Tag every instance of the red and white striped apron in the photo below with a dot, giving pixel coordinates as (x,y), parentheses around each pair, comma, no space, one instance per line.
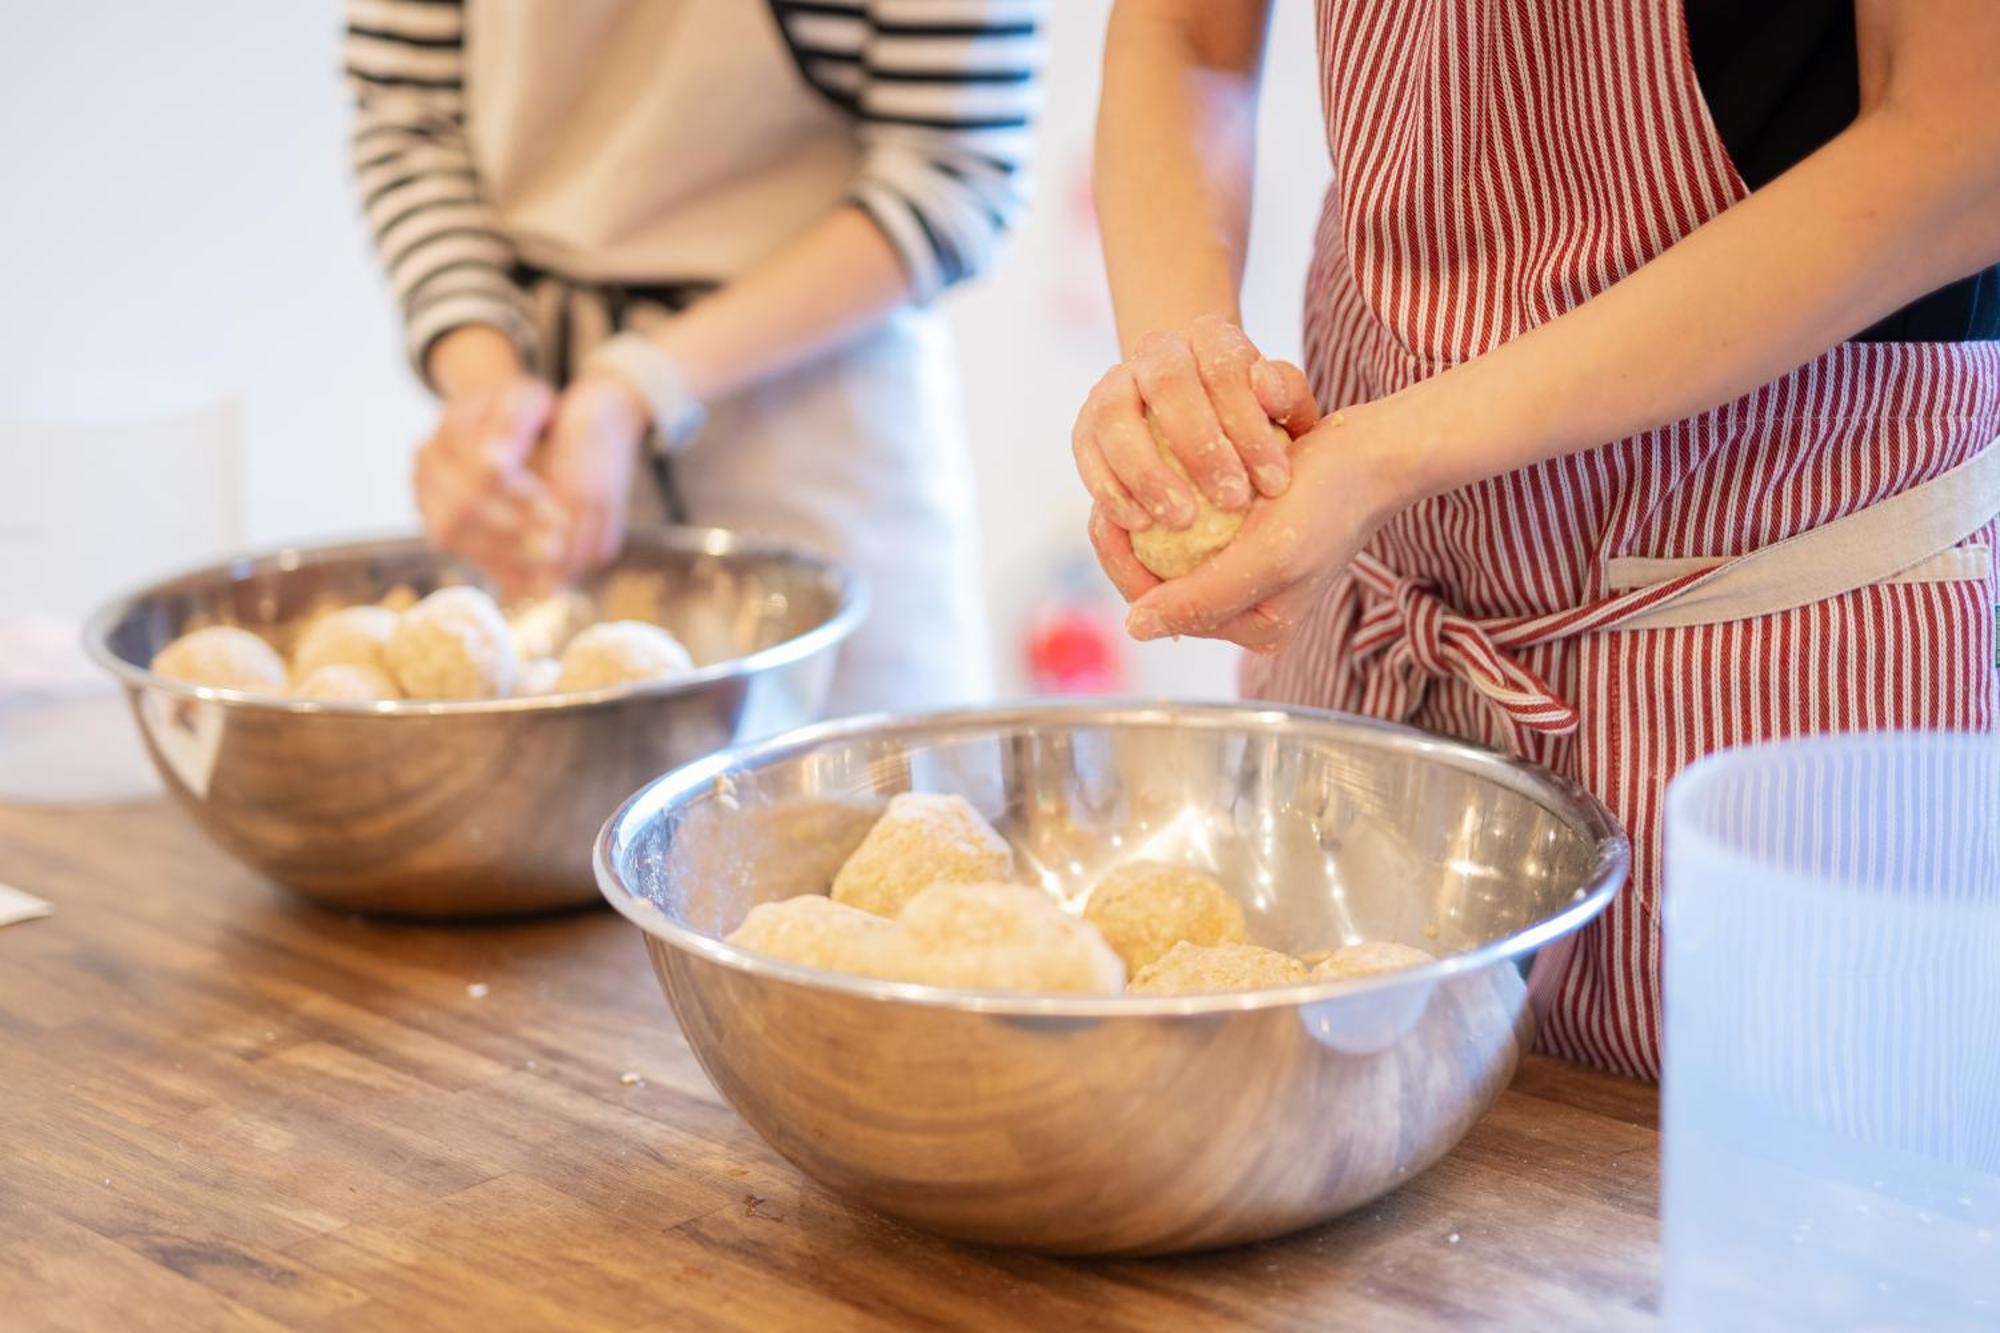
(1497,162)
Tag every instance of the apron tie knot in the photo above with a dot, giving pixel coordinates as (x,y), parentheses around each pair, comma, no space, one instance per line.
(1421,638)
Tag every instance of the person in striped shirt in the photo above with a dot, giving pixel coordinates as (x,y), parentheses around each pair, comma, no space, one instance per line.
(674,259)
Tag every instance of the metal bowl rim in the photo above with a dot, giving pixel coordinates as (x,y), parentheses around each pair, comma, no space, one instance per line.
(848,614)
(1552,791)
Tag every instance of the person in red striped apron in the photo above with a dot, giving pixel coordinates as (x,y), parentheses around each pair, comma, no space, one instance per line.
(1540,238)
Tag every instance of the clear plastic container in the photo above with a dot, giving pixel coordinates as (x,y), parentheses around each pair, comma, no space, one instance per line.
(1832,1090)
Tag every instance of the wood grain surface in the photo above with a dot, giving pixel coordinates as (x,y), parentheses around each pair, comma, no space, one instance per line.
(221,1108)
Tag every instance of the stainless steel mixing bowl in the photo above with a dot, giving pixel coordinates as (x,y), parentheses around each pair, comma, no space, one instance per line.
(1125,1125)
(469,807)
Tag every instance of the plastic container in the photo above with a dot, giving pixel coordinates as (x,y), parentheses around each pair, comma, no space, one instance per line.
(1832,1090)
(106,478)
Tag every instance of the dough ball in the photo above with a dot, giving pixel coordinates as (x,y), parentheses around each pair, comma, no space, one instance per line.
(352,636)
(225,658)
(1146,908)
(398,599)
(812,930)
(996,937)
(921,840)
(1170,554)
(1203,969)
(346,683)
(538,676)
(1366,959)
(454,644)
(621,652)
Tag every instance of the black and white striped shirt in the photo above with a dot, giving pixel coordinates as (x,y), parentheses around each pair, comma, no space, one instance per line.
(937,97)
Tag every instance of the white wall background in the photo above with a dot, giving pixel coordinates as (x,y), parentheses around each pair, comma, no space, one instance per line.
(177,200)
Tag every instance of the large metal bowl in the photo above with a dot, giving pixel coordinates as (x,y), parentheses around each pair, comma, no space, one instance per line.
(1118,1124)
(467,807)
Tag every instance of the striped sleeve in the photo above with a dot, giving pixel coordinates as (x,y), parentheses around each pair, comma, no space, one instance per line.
(438,237)
(944,93)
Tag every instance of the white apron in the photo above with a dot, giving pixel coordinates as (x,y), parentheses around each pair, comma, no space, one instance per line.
(636,154)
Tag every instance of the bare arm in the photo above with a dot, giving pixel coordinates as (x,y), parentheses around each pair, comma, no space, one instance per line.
(817,291)
(1175,150)
(1903,201)
(1176,142)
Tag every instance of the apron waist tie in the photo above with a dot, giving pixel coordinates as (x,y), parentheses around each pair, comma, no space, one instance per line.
(1420,637)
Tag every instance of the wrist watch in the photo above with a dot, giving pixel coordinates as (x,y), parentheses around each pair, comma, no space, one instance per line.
(639,361)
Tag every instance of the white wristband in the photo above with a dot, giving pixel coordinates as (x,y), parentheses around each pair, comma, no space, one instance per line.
(640,362)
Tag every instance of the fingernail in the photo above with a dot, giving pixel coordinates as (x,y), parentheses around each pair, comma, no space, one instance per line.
(1144,624)
(1134,518)
(1232,493)
(1273,478)
(1265,380)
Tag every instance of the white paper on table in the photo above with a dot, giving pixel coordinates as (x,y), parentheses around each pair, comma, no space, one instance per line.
(16,906)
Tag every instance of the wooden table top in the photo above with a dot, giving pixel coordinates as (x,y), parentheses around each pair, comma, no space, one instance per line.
(223,1108)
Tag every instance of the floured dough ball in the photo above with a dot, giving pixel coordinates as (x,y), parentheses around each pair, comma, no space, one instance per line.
(1203,969)
(996,937)
(1366,959)
(1146,908)
(398,599)
(921,840)
(621,652)
(1170,554)
(454,644)
(225,658)
(538,676)
(345,683)
(352,636)
(813,930)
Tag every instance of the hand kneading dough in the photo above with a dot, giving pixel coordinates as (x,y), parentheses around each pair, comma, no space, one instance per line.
(1200,969)
(996,937)
(454,644)
(813,930)
(921,840)
(1366,959)
(346,683)
(225,658)
(352,636)
(1147,907)
(1170,554)
(621,652)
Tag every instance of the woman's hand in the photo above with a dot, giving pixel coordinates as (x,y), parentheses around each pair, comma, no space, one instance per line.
(587,461)
(474,489)
(1225,412)
(1347,479)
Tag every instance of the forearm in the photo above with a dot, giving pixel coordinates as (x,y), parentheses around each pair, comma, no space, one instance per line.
(817,291)
(1892,208)
(1175,147)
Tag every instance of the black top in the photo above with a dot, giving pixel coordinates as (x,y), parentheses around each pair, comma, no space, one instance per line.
(1781,78)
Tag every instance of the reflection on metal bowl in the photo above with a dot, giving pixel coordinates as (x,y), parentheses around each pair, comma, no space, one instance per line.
(1116,1124)
(467,807)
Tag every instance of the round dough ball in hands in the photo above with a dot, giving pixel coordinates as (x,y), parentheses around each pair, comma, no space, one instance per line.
(343,682)
(1206,969)
(814,931)
(995,937)
(921,839)
(1147,907)
(224,658)
(454,644)
(1169,553)
(352,636)
(621,652)
(1366,959)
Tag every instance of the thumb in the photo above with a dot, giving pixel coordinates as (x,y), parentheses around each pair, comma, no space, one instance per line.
(1285,396)
(517,423)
